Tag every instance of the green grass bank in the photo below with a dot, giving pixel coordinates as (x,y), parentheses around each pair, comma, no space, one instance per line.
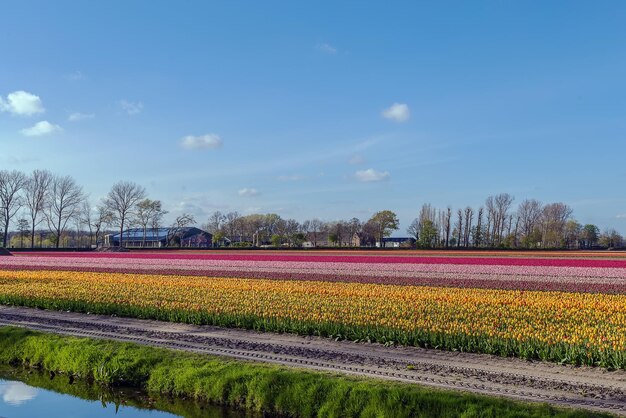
(257,387)
(116,397)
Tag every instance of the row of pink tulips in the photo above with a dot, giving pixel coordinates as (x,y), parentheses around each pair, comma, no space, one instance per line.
(360,258)
(581,279)
(312,266)
(459,281)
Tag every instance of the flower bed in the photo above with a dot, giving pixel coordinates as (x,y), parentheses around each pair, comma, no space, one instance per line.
(576,279)
(571,310)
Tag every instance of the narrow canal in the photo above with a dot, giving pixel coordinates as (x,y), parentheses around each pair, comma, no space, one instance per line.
(27,393)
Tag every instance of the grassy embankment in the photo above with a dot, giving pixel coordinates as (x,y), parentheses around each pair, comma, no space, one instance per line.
(272,389)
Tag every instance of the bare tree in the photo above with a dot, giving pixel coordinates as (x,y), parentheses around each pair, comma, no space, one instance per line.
(497,214)
(63,204)
(516,231)
(146,211)
(487,235)
(23,229)
(182,221)
(369,231)
(491,216)
(459,227)
(469,219)
(253,226)
(337,231)
(354,227)
(290,229)
(305,228)
(155,222)
(76,236)
(103,218)
(122,200)
(414,229)
(529,214)
(554,218)
(478,231)
(232,224)
(85,217)
(315,228)
(11,184)
(216,222)
(573,234)
(610,238)
(503,204)
(35,195)
(447,220)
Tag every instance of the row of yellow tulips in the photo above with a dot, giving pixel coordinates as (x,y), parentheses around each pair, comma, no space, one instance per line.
(593,322)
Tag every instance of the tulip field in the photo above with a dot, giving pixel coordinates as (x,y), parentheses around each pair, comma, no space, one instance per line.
(560,308)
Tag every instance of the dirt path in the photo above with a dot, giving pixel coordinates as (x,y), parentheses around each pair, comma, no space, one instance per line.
(583,387)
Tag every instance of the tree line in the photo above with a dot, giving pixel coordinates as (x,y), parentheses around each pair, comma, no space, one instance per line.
(498,224)
(58,207)
(270,229)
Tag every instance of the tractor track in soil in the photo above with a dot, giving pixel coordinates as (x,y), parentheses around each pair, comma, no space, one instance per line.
(562,385)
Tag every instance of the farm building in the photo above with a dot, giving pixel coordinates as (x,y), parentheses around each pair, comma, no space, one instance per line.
(161,237)
(397,242)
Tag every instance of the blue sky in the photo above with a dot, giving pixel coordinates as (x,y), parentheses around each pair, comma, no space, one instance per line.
(289,107)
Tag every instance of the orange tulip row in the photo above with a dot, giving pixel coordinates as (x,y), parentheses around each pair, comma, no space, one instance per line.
(593,321)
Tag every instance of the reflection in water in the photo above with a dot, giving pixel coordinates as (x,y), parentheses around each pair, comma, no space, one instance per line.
(16,393)
(28,393)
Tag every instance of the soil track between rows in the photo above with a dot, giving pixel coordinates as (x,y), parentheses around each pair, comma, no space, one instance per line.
(582,387)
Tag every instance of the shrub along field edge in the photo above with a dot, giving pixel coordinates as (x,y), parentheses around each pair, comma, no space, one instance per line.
(258,387)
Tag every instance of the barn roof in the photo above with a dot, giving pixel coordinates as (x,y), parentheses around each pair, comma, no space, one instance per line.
(158,234)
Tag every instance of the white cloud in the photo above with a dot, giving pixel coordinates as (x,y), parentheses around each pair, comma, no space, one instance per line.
(246,192)
(398,112)
(41,128)
(208,141)
(76,116)
(621,216)
(21,103)
(17,393)
(132,108)
(326,48)
(371,175)
(356,159)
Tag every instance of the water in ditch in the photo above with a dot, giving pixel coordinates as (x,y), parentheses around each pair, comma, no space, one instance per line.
(27,393)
